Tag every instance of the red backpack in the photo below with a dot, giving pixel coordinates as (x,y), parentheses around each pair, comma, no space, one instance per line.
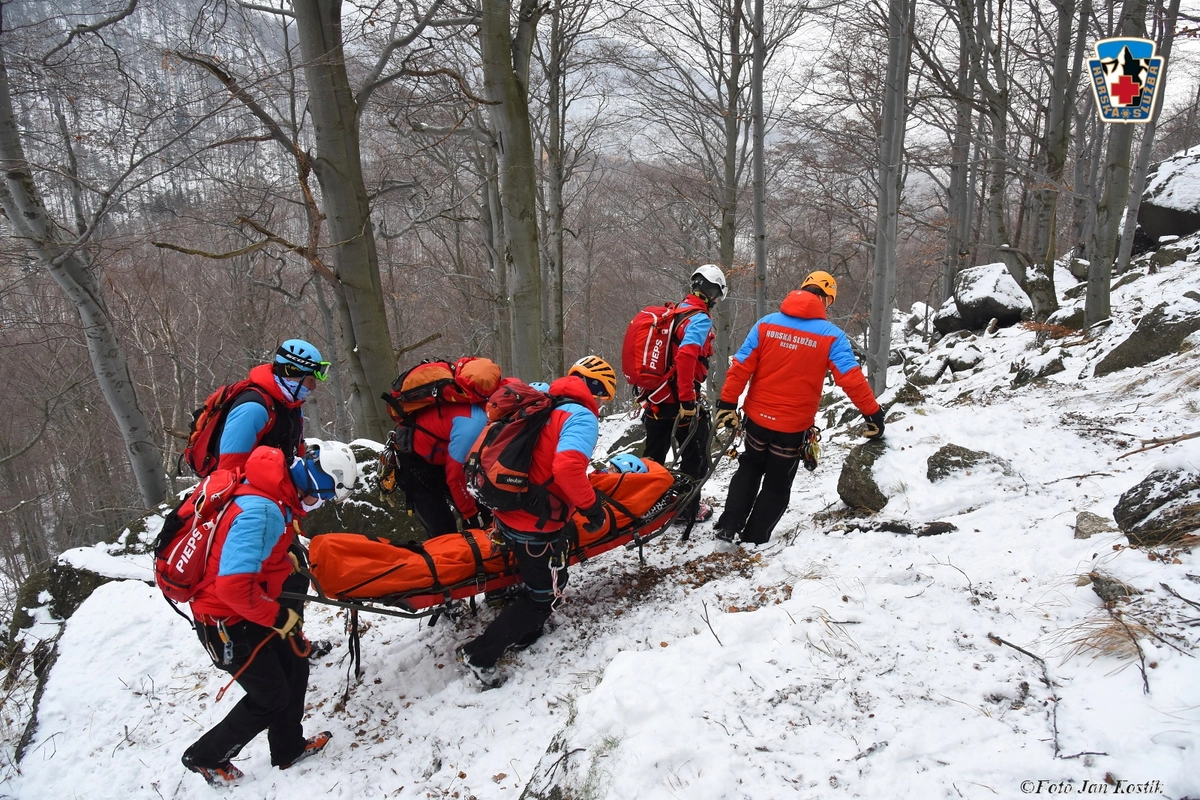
(470,379)
(209,420)
(497,470)
(185,541)
(649,342)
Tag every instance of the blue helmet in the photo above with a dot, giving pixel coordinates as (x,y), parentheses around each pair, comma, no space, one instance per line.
(297,358)
(628,462)
(541,386)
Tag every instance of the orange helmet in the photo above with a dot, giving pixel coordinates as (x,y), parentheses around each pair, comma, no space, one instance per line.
(598,374)
(823,281)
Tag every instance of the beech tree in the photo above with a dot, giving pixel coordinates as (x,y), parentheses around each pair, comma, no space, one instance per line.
(65,250)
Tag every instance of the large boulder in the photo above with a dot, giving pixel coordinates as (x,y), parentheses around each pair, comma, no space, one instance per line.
(1160,333)
(856,483)
(947,319)
(989,292)
(1170,204)
(1161,509)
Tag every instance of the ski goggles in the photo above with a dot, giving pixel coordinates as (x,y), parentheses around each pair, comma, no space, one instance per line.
(301,368)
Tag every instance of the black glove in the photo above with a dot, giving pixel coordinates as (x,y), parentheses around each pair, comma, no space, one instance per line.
(595,515)
(474,522)
(874,429)
(726,416)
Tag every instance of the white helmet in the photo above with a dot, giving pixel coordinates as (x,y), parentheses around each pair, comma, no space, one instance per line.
(709,281)
(335,460)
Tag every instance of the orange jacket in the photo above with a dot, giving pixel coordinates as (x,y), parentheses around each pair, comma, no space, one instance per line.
(785,358)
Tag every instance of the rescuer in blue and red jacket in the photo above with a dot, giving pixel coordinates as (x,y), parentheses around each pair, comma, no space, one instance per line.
(784,359)
(244,628)
(270,413)
(431,476)
(672,411)
(561,457)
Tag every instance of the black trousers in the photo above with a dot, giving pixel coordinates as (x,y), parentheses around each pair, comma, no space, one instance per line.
(275,683)
(693,460)
(424,485)
(521,622)
(760,489)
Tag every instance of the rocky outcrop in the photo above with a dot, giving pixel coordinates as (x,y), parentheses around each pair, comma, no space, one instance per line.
(1161,509)
(856,483)
(367,510)
(1170,205)
(1160,333)
(984,293)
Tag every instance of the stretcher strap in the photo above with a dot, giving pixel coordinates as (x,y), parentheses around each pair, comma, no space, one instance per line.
(480,572)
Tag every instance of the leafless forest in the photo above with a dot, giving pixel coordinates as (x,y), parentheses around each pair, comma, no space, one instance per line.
(188,182)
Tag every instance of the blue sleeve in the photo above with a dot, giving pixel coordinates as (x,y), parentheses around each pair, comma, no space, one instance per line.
(242,427)
(840,353)
(251,536)
(696,330)
(750,345)
(463,433)
(579,430)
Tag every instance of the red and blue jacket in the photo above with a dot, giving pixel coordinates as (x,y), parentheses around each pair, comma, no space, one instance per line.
(561,456)
(249,553)
(444,435)
(694,335)
(249,424)
(785,358)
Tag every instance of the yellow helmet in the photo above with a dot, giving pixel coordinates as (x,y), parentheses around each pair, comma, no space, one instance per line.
(823,281)
(598,374)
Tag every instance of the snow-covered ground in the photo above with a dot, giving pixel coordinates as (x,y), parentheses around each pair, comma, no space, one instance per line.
(834,662)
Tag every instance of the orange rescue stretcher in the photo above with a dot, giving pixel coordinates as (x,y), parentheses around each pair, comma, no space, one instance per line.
(416,580)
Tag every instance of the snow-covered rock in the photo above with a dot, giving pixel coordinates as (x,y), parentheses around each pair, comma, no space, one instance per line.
(988,292)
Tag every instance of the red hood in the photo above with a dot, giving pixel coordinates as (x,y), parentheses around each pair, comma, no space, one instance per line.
(695,302)
(805,305)
(263,376)
(574,387)
(266,472)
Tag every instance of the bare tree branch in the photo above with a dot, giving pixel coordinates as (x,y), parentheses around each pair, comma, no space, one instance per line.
(79,30)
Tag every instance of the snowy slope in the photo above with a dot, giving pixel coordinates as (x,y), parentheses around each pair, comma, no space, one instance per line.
(834,662)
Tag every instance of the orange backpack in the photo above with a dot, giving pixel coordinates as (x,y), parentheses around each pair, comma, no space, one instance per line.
(470,379)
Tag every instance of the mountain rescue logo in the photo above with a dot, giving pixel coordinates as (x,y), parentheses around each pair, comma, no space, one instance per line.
(1125,74)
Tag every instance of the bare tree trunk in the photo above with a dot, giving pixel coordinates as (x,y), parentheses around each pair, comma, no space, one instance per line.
(891,178)
(1116,193)
(490,218)
(338,165)
(760,189)
(1143,160)
(69,266)
(727,230)
(555,206)
(960,194)
(1064,79)
(506,79)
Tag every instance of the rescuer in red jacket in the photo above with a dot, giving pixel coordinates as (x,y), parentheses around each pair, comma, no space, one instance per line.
(784,359)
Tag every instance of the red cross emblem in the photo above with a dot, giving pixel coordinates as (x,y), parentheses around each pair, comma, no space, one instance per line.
(1126,89)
